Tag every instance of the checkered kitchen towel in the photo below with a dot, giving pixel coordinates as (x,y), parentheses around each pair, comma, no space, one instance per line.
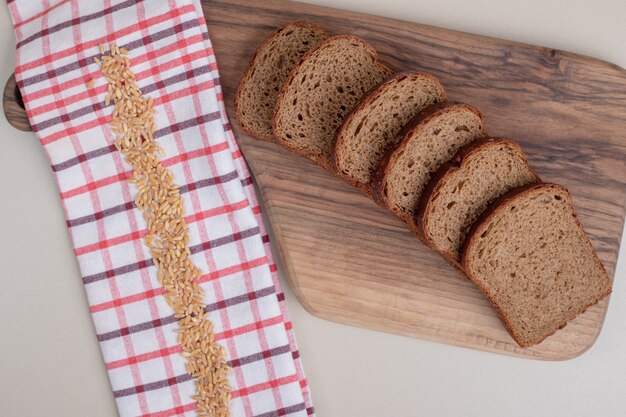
(173,60)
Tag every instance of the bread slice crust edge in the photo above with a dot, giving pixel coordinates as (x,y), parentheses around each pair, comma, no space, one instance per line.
(367,99)
(458,162)
(418,122)
(293,75)
(476,229)
(251,67)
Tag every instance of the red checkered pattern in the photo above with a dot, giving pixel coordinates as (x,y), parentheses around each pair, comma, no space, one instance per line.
(173,60)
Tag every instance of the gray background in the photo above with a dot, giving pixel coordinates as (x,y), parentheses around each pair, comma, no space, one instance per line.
(50,363)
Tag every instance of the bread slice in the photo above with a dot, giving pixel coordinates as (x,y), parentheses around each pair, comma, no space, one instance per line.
(463,187)
(375,122)
(530,256)
(268,70)
(320,92)
(427,141)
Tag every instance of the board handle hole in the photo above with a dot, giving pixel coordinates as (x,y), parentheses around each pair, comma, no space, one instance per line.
(18,98)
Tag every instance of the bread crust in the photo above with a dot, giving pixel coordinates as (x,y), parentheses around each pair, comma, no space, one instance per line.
(458,161)
(379,183)
(476,229)
(363,104)
(293,74)
(251,66)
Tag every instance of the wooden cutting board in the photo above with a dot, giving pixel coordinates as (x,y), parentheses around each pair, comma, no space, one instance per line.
(348,260)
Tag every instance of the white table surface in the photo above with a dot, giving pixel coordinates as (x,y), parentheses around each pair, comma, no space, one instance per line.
(50,363)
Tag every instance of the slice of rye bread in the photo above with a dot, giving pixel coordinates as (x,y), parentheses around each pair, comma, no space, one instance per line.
(530,256)
(268,70)
(463,187)
(427,141)
(375,122)
(320,92)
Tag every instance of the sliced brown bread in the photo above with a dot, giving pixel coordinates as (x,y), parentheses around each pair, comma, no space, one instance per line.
(375,122)
(463,187)
(320,92)
(427,141)
(530,256)
(268,70)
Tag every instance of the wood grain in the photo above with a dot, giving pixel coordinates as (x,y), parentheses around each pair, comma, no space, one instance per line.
(348,260)
(13,106)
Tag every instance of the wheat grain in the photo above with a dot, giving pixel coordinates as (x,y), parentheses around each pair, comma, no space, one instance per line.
(158,198)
